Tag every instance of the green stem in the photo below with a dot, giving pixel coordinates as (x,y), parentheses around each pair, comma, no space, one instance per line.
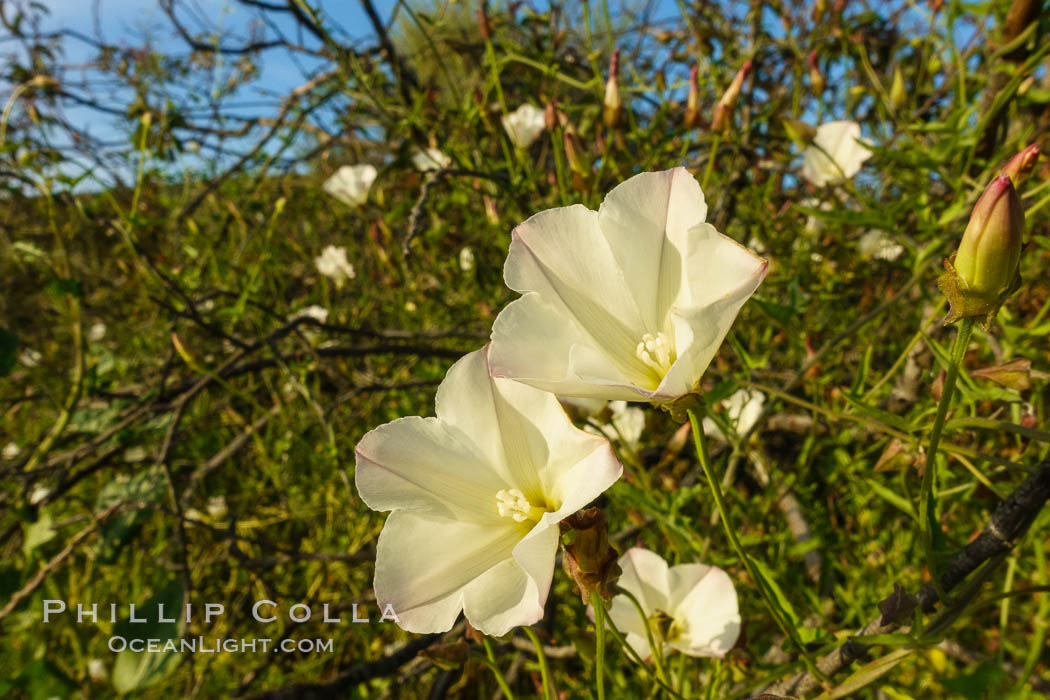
(491,659)
(927,504)
(548,686)
(599,644)
(771,603)
(711,160)
(656,648)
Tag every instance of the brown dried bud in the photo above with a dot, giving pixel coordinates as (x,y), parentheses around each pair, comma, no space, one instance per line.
(1015,374)
(591,560)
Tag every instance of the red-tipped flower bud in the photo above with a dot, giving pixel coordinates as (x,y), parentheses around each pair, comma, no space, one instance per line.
(985,269)
(692,103)
(724,108)
(613,106)
(816,78)
(550,115)
(1021,165)
(484,28)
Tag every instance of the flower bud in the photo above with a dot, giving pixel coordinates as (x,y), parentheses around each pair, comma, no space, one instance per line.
(692,103)
(591,561)
(898,93)
(1021,165)
(574,151)
(985,269)
(484,28)
(613,106)
(724,108)
(816,78)
(799,132)
(1015,374)
(550,115)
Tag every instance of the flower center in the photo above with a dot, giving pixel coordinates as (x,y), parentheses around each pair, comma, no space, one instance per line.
(511,503)
(656,352)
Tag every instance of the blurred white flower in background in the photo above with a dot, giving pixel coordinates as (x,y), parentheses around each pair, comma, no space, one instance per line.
(524,125)
(38,494)
(97,332)
(477,494)
(11,450)
(839,140)
(879,245)
(430,159)
(96,670)
(625,425)
(332,263)
(318,313)
(742,409)
(815,224)
(466,259)
(630,302)
(216,507)
(30,357)
(350,184)
(692,608)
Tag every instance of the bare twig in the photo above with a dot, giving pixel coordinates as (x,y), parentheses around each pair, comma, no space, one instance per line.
(1011,519)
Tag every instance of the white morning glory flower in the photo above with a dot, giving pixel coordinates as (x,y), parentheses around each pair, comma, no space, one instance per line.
(742,410)
(693,607)
(96,669)
(466,259)
(626,423)
(38,494)
(30,357)
(350,184)
(630,302)
(477,494)
(430,159)
(879,245)
(332,263)
(524,125)
(318,313)
(839,140)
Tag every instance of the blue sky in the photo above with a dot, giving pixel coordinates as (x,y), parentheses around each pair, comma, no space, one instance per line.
(132,23)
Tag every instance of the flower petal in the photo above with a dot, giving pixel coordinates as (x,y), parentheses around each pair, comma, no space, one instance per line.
(562,255)
(582,467)
(705,600)
(647,221)
(535,342)
(836,154)
(514,592)
(425,565)
(628,620)
(645,574)
(428,466)
(723,275)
